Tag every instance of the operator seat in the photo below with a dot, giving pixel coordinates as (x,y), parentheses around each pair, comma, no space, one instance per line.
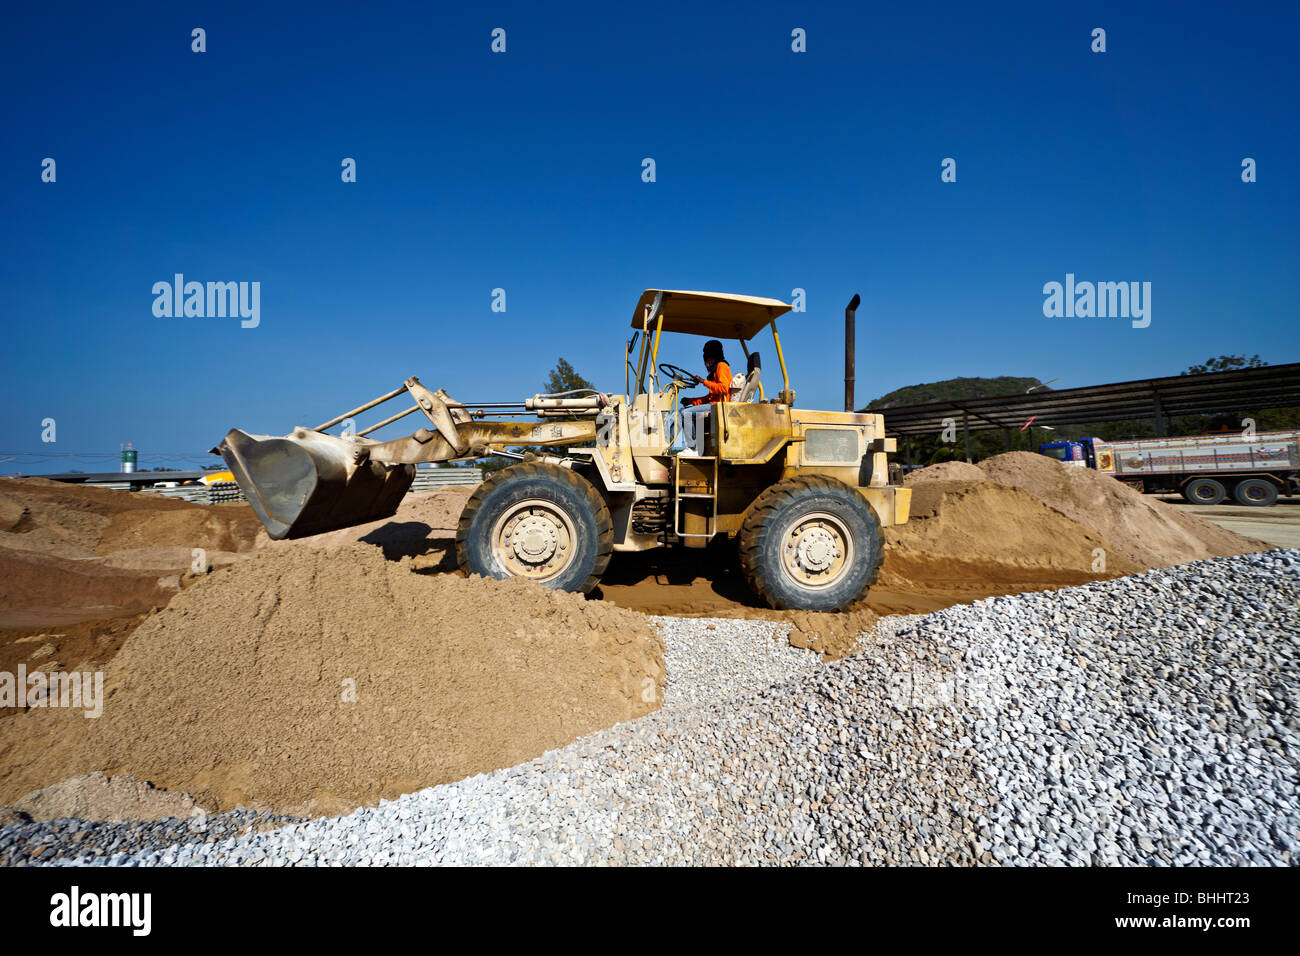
(753,372)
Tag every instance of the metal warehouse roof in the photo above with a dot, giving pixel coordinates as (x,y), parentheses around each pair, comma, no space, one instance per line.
(1272,386)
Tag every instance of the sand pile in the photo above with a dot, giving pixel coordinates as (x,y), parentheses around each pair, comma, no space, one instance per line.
(311,681)
(421,526)
(1141,528)
(96,796)
(1022,521)
(945,471)
(989,538)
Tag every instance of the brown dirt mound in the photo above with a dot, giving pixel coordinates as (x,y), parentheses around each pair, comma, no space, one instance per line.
(1142,529)
(831,635)
(239,692)
(945,471)
(90,562)
(29,579)
(79,521)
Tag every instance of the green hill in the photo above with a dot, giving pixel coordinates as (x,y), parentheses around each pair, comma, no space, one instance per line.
(954,388)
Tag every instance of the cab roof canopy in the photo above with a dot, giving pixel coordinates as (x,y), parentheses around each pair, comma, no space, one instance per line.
(715,314)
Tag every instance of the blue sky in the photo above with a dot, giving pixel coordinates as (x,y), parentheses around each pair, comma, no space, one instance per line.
(775,170)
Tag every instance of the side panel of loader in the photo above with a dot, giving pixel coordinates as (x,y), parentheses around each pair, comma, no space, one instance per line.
(756,445)
(750,432)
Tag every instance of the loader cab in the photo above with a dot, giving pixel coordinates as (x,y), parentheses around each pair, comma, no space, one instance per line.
(703,315)
(659,431)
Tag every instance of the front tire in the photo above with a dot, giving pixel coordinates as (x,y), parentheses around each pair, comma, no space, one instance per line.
(538,521)
(810,543)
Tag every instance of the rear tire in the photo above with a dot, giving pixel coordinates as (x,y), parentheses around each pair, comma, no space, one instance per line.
(538,521)
(1204,491)
(1255,491)
(810,543)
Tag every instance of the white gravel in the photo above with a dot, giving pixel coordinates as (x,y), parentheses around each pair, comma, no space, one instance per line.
(713,659)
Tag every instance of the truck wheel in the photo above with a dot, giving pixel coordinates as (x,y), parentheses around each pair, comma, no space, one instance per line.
(538,521)
(810,543)
(1255,491)
(1204,491)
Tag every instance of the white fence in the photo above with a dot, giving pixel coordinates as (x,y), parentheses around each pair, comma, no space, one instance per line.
(200,494)
(428,479)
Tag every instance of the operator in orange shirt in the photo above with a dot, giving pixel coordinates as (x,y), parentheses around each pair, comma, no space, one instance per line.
(719,381)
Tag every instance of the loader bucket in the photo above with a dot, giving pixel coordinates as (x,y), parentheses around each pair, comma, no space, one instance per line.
(307,482)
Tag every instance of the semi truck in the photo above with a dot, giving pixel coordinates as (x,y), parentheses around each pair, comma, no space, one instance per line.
(1205,469)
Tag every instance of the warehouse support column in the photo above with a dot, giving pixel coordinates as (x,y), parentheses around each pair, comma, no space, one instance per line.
(965,427)
(1006,433)
(1160,414)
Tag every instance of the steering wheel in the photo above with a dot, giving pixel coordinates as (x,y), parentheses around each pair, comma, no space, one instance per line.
(681,378)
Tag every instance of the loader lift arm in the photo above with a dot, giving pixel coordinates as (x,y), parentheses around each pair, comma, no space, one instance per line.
(310,481)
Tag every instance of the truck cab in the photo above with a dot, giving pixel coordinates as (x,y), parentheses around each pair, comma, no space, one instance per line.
(1069,452)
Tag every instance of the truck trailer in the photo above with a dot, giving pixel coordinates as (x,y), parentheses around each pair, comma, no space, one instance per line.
(1204,469)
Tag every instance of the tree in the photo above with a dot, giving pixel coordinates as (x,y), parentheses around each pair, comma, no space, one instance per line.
(564,378)
(1225,363)
(1230,419)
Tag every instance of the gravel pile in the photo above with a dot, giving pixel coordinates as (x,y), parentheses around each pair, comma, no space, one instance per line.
(1144,720)
(22,844)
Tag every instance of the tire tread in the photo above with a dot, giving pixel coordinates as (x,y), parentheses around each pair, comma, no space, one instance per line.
(758,519)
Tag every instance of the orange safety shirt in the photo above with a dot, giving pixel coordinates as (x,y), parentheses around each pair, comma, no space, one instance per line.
(718,383)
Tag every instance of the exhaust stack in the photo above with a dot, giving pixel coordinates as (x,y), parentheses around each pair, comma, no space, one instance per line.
(850,311)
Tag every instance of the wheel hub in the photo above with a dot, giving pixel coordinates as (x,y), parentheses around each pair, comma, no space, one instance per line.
(534,539)
(817,551)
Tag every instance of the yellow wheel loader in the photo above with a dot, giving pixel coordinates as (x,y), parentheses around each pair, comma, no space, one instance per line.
(803,493)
